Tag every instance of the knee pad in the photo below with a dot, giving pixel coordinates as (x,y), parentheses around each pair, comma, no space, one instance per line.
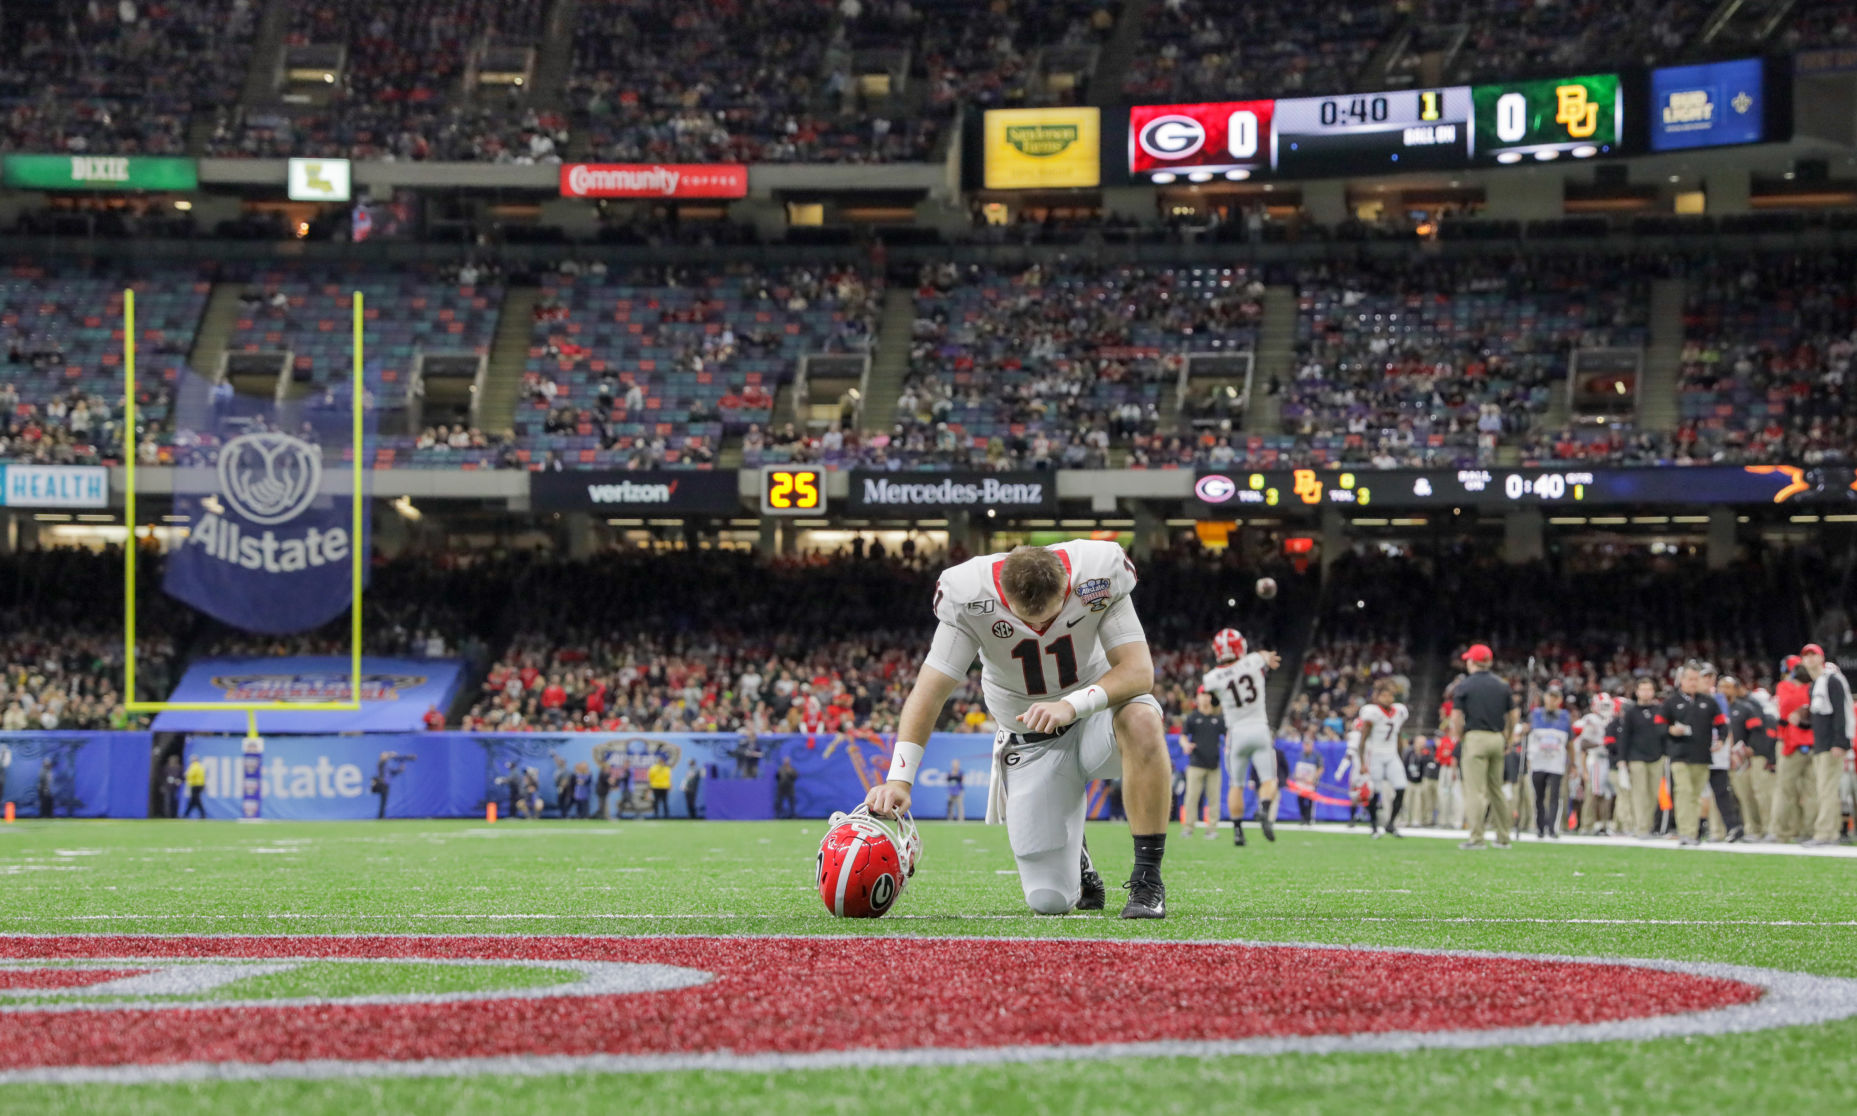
(1046,901)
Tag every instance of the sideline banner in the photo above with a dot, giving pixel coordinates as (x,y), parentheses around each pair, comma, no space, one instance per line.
(75,774)
(324,778)
(455,774)
(395,693)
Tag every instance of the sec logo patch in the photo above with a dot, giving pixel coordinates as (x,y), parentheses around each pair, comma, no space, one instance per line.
(1002,629)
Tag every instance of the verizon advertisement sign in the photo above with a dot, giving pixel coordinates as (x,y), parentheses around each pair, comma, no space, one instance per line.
(654,180)
(905,492)
(645,492)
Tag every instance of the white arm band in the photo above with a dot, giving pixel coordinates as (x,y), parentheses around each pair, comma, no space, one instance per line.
(1088,701)
(905,761)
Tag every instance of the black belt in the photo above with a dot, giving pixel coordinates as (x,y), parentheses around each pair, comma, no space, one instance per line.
(1038,737)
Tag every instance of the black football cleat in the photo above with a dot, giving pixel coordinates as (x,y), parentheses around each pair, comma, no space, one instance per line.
(1094,895)
(1268,825)
(1238,834)
(1147,897)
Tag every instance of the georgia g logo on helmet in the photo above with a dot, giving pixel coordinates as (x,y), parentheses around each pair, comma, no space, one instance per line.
(269,477)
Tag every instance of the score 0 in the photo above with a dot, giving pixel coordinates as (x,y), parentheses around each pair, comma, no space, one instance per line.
(792,490)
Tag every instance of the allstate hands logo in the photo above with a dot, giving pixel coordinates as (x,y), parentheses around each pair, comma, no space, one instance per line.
(269,477)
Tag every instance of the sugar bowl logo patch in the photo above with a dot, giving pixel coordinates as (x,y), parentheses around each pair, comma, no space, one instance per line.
(1095,593)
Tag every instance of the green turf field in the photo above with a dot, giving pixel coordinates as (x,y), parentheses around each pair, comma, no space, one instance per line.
(1782,912)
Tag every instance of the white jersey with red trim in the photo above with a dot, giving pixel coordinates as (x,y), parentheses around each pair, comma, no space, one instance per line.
(1019,665)
(1378,726)
(1239,686)
(1590,731)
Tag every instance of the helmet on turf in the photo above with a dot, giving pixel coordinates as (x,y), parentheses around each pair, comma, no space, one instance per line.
(864,862)
(1228,644)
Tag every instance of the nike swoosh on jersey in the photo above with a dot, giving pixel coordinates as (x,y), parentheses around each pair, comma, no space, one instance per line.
(1073,623)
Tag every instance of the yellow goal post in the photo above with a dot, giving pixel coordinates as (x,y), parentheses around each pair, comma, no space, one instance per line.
(358,551)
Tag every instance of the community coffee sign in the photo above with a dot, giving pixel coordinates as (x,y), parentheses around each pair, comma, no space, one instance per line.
(654,180)
(1006,492)
(637,492)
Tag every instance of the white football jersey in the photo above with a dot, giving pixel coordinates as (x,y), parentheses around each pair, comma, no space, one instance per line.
(1239,686)
(1019,665)
(1591,730)
(1379,729)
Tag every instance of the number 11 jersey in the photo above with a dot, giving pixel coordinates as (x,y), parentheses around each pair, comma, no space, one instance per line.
(1021,665)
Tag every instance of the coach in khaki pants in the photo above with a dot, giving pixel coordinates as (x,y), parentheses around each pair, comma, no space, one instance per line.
(1795,803)
(1831,739)
(1640,742)
(1753,779)
(1693,719)
(1482,717)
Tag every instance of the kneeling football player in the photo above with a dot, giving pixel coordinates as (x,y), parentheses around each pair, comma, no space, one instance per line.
(1066,672)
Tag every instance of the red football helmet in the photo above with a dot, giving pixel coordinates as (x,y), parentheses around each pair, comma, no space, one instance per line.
(865,861)
(1228,645)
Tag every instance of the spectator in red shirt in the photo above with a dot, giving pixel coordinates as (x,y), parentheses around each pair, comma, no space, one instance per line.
(554,696)
(435,721)
(1794,798)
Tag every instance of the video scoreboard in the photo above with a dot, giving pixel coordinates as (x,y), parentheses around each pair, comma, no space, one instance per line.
(1528,121)
(1442,128)
(1497,488)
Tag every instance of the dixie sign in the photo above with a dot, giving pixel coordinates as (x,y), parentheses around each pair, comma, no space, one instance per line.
(654,180)
(97,172)
(1006,492)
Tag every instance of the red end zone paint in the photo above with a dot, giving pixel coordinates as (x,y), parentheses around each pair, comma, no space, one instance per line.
(809,995)
(37,979)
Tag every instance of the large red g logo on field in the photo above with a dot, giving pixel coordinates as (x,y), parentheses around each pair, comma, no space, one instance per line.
(636,1004)
(1220,137)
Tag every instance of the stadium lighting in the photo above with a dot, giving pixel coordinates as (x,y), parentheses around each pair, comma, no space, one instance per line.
(1509,157)
(1237,175)
(1585,152)
(1162,178)
(1547,156)
(1200,176)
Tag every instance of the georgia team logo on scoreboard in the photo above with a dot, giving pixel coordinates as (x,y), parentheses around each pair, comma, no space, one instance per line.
(1227,137)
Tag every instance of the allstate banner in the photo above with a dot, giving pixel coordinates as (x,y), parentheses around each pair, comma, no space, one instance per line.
(325,778)
(395,693)
(263,488)
(75,774)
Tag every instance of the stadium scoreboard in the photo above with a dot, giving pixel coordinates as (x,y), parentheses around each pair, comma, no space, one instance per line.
(1526,121)
(1497,488)
(792,490)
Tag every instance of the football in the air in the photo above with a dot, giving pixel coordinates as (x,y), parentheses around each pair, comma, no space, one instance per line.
(1267,587)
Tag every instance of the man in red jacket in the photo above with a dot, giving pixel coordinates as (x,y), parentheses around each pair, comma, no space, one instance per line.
(1795,792)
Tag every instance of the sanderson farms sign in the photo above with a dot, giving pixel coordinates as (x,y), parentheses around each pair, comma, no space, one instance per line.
(97,172)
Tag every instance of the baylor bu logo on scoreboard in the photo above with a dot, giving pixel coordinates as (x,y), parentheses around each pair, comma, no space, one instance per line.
(267,479)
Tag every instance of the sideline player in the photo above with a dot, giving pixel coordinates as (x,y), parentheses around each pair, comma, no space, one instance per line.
(1373,750)
(1066,673)
(1238,682)
(1591,753)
